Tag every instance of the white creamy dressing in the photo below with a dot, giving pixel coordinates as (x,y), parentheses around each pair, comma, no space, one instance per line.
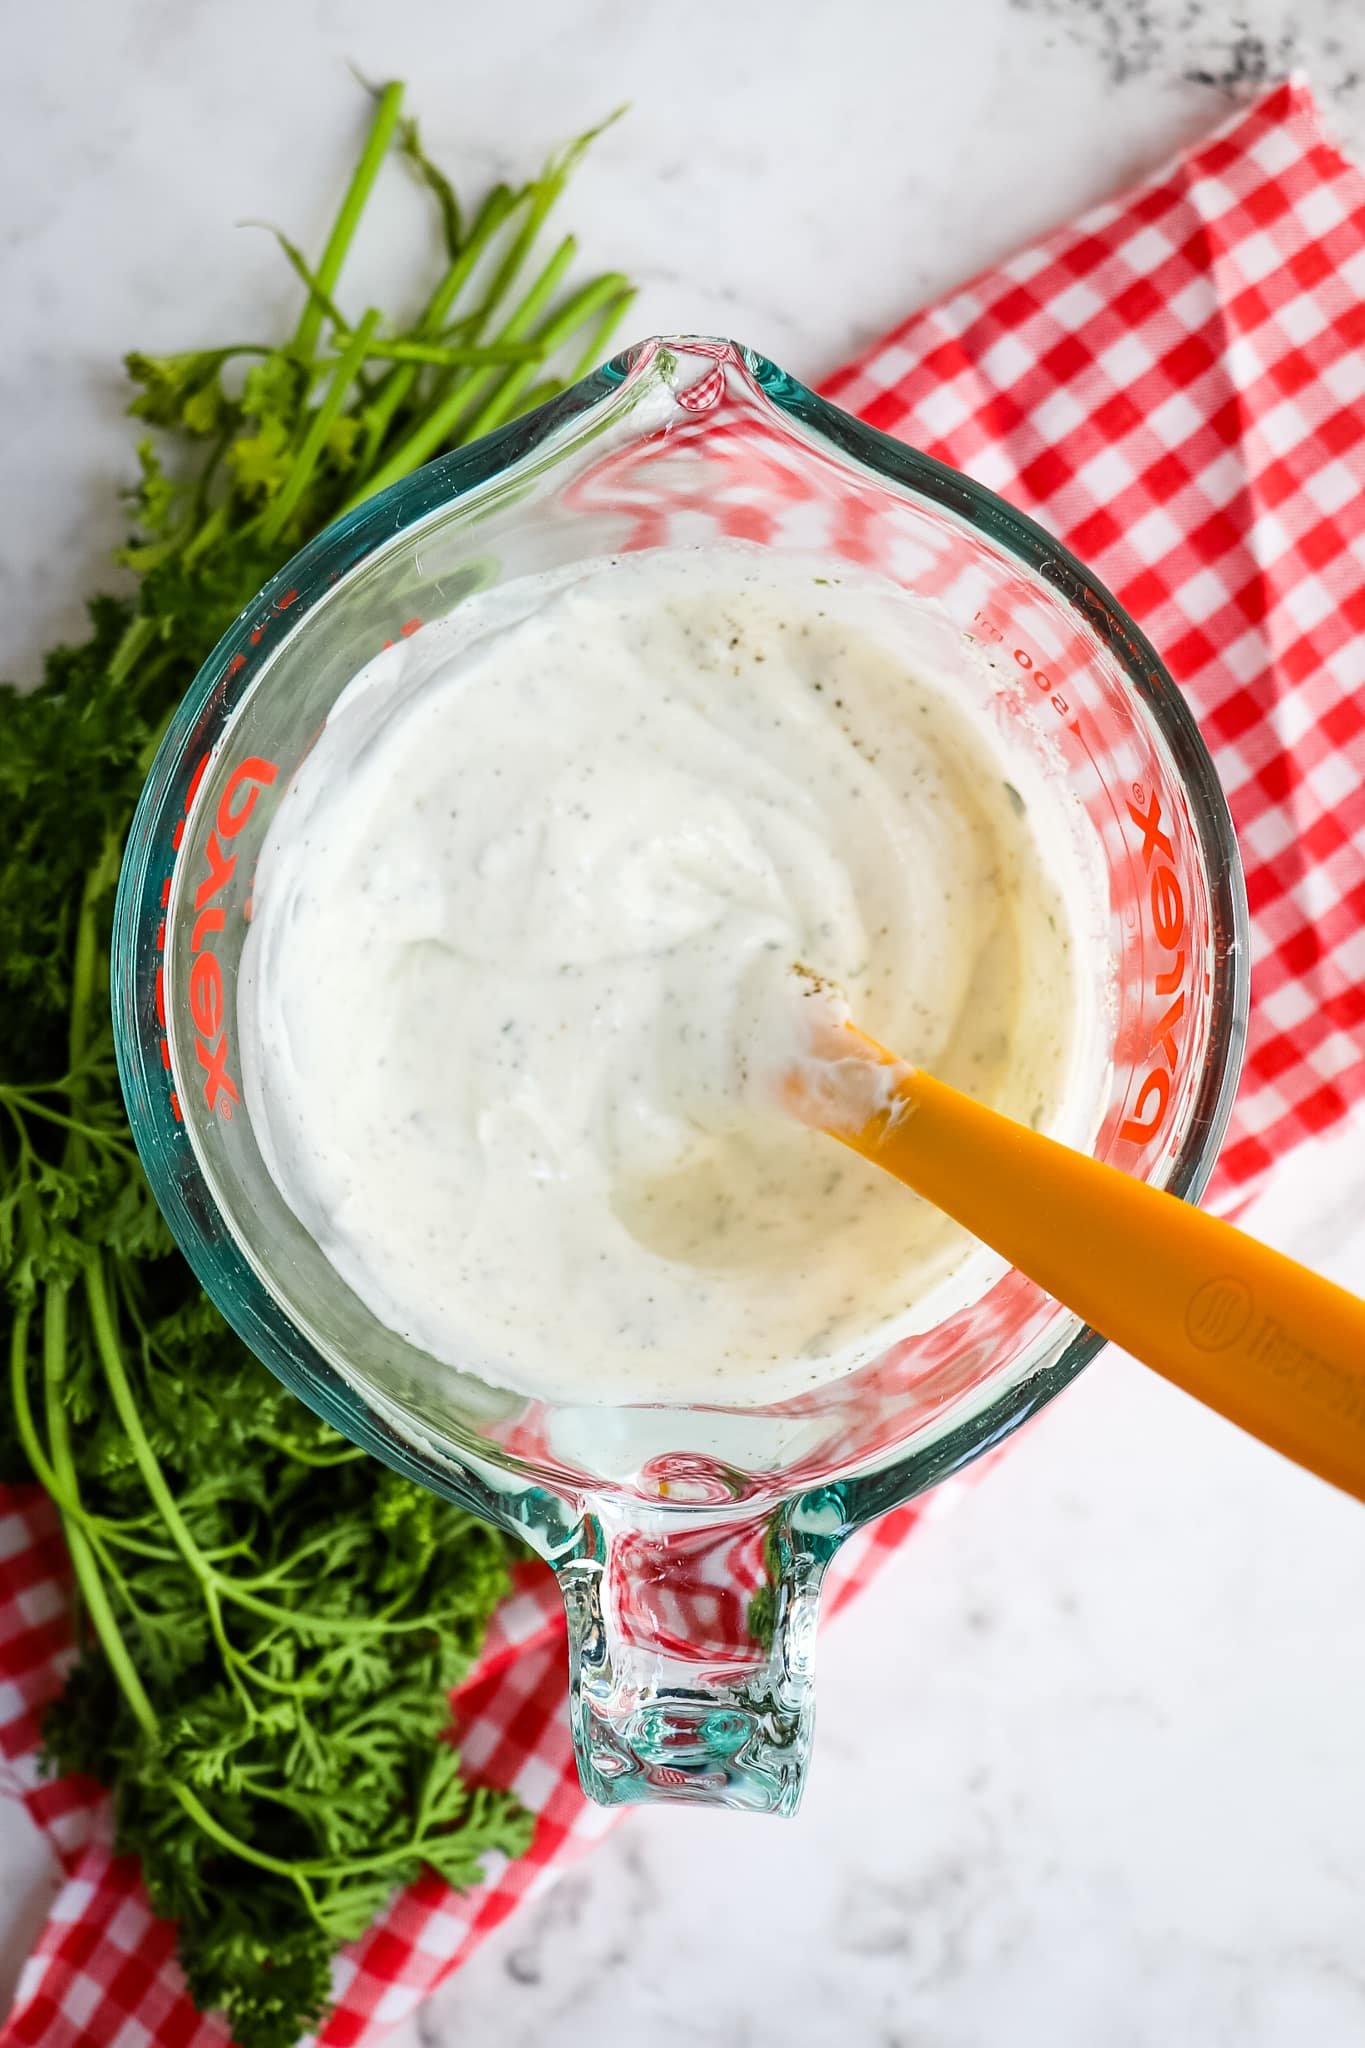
(517,994)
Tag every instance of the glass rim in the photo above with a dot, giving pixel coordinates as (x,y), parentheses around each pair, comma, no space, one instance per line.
(229,674)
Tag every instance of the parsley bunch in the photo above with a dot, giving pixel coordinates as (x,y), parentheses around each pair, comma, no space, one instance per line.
(268,1622)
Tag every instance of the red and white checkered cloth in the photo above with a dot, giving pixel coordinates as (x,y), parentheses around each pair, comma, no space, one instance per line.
(1175,386)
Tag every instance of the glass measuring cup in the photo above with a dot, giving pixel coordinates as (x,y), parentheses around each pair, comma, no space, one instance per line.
(689,1543)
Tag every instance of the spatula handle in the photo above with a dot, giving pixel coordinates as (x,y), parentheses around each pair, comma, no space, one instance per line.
(1274,1347)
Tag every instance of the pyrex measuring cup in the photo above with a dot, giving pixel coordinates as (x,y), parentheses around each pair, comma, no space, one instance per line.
(689,1543)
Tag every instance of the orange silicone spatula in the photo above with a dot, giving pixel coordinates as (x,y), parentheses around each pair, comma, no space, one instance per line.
(1277,1349)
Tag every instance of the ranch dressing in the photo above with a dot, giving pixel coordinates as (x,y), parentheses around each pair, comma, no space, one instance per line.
(517,993)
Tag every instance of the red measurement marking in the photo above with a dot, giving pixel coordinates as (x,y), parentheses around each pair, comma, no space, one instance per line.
(206,996)
(283,603)
(987,630)
(1168,925)
(237,663)
(413,626)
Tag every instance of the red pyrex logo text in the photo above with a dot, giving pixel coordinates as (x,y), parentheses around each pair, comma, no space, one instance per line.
(207,1010)
(1168,925)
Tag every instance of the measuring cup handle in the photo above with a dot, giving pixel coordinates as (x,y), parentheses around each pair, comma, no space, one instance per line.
(691,1656)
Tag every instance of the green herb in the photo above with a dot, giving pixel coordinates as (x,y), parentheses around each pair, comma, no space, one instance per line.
(269,1623)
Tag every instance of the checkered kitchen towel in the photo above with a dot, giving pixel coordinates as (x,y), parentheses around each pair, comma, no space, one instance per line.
(1176,387)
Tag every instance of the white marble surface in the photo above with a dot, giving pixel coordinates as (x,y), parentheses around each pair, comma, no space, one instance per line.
(1089,1762)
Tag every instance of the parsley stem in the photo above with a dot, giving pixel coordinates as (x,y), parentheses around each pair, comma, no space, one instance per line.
(111,1358)
(200,1814)
(215,1584)
(23,1411)
(105,1141)
(154,1479)
(590,299)
(306,1624)
(594,349)
(97,1531)
(209,534)
(349,1454)
(292,1688)
(319,294)
(84,960)
(379,413)
(319,426)
(138,635)
(450,355)
(93,1589)
(542,195)
(94,1592)
(500,204)
(439,425)
(348,219)
(517,322)
(481,230)
(66,1493)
